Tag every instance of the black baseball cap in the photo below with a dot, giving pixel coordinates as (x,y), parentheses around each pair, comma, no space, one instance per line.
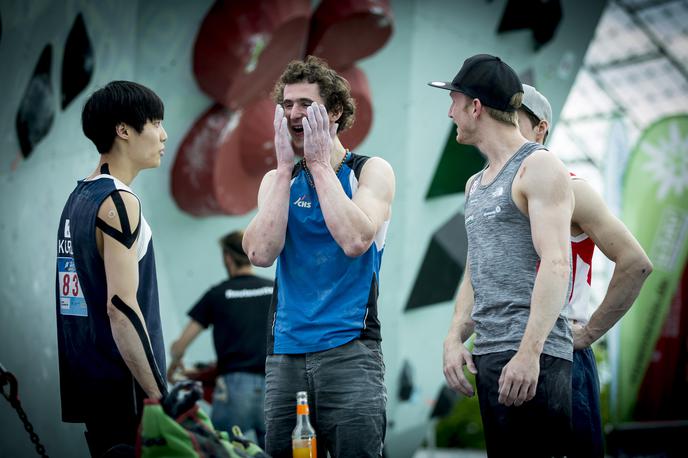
(487,78)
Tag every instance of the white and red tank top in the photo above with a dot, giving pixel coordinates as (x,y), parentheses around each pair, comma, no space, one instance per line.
(582,249)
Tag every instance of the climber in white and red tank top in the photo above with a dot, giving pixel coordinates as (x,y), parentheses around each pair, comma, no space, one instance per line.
(592,224)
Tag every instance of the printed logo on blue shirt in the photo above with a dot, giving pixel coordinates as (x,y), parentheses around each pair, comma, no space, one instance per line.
(302,202)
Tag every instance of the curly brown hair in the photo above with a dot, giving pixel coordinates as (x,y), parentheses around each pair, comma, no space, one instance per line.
(334,89)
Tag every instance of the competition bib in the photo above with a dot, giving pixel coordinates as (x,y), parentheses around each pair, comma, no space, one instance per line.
(72,300)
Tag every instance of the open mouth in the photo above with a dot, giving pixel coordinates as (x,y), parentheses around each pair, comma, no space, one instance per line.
(297,129)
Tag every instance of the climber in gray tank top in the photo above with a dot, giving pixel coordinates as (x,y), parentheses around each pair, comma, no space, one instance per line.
(514,289)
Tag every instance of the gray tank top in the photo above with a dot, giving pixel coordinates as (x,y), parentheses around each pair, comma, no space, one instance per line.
(503,265)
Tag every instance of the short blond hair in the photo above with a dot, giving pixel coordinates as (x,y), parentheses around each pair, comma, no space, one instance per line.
(509,117)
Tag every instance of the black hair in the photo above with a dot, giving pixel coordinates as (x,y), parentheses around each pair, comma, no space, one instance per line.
(532,117)
(534,120)
(231,245)
(119,102)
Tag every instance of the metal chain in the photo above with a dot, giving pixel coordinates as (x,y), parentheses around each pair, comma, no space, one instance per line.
(13,399)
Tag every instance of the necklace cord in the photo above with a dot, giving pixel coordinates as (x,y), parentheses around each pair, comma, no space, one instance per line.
(309,177)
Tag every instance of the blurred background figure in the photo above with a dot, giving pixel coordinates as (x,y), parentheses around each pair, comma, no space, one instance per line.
(237,310)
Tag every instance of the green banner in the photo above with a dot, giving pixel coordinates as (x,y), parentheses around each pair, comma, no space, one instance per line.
(655,209)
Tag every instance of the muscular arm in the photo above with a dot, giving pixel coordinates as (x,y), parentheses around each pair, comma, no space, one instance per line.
(544,183)
(264,237)
(354,222)
(179,346)
(546,186)
(632,266)
(122,276)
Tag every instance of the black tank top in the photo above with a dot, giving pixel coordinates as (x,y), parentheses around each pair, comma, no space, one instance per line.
(93,376)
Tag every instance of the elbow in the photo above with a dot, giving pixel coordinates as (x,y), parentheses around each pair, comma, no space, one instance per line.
(357,247)
(645,268)
(637,266)
(258,257)
(260,260)
(354,251)
(359,244)
(114,313)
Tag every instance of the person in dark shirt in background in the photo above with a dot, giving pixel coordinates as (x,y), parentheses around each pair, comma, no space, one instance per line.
(237,310)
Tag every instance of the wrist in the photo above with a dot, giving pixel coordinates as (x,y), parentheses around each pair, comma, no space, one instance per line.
(284,170)
(451,342)
(176,354)
(317,167)
(453,339)
(588,337)
(531,349)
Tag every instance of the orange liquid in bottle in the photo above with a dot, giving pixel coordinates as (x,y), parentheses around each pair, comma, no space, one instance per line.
(304,448)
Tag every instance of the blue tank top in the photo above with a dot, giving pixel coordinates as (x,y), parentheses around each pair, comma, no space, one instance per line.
(323,298)
(93,375)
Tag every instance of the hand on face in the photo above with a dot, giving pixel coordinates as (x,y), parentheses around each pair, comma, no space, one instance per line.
(318,135)
(283,149)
